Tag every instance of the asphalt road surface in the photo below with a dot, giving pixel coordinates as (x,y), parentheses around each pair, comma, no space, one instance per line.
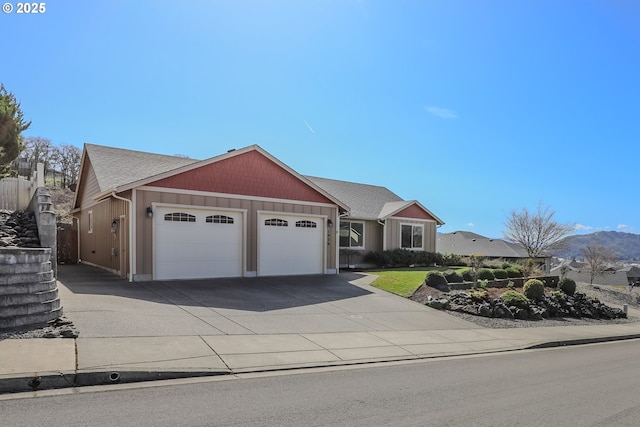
(593,385)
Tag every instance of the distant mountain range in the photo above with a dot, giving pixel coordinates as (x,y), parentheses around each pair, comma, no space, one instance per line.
(626,245)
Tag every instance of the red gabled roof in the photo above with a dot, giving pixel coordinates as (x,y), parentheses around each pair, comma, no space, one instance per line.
(250,173)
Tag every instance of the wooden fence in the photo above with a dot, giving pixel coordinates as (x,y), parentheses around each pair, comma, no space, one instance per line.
(16,193)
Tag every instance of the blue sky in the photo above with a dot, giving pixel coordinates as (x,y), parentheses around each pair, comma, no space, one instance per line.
(474,108)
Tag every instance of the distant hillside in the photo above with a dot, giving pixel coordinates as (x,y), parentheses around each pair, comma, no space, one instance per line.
(627,245)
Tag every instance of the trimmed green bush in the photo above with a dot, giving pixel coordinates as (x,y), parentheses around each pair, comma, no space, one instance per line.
(515,298)
(479,295)
(452,260)
(568,286)
(467,276)
(500,273)
(533,289)
(515,271)
(435,279)
(453,276)
(485,274)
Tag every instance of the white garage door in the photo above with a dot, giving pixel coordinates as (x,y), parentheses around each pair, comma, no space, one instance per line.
(197,243)
(290,244)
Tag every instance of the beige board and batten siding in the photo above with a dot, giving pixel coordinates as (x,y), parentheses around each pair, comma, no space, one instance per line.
(144,225)
(101,246)
(394,233)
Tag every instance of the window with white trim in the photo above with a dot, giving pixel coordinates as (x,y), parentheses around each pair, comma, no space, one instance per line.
(219,219)
(352,234)
(179,217)
(276,222)
(411,236)
(90,221)
(306,224)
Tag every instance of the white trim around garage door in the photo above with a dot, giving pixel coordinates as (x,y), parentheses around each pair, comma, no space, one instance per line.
(292,244)
(191,253)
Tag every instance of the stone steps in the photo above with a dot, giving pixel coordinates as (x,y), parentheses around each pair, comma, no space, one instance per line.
(28,289)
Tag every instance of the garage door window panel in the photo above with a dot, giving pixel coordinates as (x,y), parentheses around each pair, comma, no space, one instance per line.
(179,217)
(219,219)
(306,224)
(276,222)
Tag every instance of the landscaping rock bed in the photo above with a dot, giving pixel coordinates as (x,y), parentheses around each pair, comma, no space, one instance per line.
(585,307)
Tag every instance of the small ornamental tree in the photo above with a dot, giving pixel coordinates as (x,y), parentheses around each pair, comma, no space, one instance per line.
(537,231)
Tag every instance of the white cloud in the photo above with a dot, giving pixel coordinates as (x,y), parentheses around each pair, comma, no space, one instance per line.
(580,227)
(471,224)
(443,113)
(627,228)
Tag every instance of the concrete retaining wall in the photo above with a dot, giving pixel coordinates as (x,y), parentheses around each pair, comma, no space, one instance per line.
(42,207)
(28,289)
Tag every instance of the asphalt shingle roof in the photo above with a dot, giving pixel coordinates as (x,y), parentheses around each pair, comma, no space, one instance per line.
(118,166)
(466,243)
(366,201)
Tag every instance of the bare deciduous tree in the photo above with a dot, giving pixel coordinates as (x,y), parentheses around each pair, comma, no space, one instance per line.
(536,231)
(68,160)
(598,257)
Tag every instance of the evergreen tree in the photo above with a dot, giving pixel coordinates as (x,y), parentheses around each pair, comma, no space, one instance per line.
(12,124)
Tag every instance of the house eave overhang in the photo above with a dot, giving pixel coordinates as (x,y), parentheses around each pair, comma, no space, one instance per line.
(406,205)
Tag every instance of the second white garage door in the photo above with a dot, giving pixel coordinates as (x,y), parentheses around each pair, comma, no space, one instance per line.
(197,243)
(289,244)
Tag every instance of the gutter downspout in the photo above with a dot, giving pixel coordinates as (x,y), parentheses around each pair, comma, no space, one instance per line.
(337,239)
(77,218)
(383,223)
(115,196)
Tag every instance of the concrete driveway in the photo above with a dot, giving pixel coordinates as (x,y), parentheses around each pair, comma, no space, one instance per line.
(103,305)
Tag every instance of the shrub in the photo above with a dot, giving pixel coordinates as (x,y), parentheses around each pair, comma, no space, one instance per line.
(378,258)
(514,271)
(453,276)
(568,286)
(452,260)
(500,274)
(479,295)
(485,274)
(533,289)
(505,265)
(435,279)
(511,285)
(467,276)
(515,298)
(400,257)
(482,284)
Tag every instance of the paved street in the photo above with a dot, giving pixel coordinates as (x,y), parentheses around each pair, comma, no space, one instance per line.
(591,385)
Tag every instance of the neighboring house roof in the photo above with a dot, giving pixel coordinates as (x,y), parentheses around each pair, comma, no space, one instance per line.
(466,243)
(366,201)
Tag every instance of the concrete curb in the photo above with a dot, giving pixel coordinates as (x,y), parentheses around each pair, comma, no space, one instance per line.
(53,380)
(70,379)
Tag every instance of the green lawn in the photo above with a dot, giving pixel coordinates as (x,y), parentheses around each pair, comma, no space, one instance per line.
(404,282)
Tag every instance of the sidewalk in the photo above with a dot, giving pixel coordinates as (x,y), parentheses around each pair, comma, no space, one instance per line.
(146,331)
(34,364)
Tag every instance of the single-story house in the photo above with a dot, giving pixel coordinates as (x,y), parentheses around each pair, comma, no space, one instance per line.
(378,220)
(244,213)
(466,243)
